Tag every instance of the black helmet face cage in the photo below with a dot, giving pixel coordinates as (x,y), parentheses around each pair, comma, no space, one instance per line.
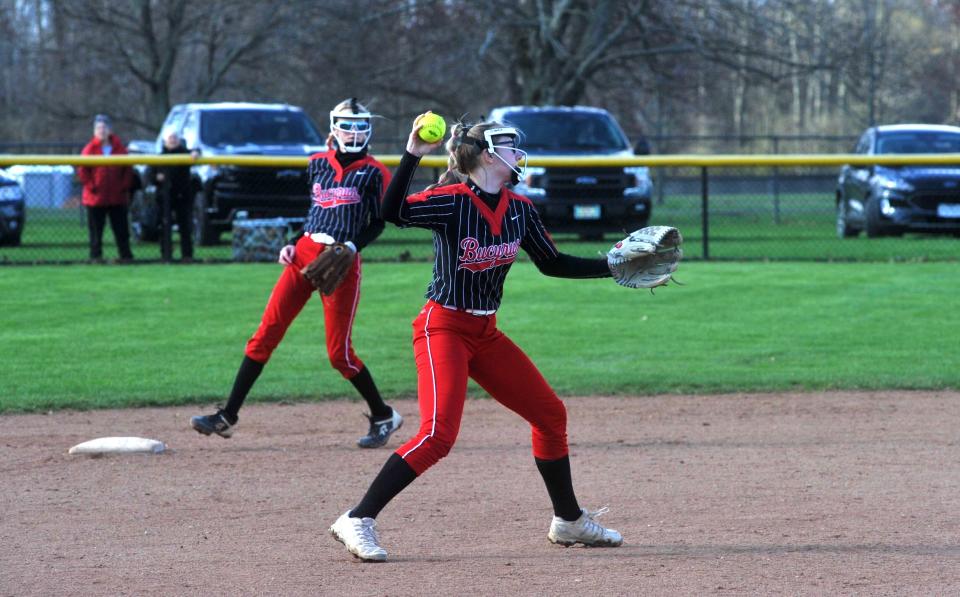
(358,124)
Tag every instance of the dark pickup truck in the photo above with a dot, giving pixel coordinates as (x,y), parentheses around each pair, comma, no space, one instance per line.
(589,201)
(224,192)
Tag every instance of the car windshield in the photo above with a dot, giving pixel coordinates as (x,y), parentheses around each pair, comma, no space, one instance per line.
(258,127)
(564,131)
(918,142)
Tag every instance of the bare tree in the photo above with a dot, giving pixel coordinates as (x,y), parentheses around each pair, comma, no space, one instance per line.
(146,50)
(733,67)
(554,48)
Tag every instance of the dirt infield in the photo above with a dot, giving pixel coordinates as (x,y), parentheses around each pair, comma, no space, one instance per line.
(842,493)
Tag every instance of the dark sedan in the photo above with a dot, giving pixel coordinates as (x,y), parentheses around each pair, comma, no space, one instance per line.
(12,211)
(891,200)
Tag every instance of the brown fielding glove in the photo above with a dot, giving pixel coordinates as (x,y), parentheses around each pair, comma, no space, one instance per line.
(329,268)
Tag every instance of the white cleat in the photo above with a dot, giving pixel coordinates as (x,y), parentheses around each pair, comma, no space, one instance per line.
(360,537)
(584,530)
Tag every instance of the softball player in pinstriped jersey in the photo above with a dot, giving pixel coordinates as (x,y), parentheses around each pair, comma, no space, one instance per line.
(346,186)
(478,227)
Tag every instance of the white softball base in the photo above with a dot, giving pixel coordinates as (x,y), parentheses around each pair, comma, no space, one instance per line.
(111,445)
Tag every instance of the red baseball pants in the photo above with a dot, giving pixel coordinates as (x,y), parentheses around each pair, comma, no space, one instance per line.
(450,346)
(291,293)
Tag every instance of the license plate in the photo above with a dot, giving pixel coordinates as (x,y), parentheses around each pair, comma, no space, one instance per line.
(948,210)
(586,212)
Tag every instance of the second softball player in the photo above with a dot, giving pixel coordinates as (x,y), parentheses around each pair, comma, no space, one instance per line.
(346,187)
(478,227)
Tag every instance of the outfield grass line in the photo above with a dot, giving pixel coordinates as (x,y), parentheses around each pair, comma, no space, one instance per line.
(95,337)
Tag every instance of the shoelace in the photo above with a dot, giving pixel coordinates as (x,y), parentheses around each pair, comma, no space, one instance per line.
(599,512)
(221,416)
(367,533)
(592,526)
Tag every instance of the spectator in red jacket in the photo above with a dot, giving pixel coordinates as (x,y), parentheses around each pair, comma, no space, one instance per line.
(106,192)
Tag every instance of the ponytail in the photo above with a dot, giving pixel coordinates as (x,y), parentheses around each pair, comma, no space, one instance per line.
(459,153)
(451,176)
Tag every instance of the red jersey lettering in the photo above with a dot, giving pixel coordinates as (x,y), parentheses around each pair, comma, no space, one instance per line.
(344,200)
(476,258)
(335,197)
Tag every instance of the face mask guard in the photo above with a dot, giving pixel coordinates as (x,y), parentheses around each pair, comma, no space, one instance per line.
(507,131)
(356,123)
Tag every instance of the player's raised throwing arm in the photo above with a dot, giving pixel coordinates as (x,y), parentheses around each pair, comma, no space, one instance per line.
(398,189)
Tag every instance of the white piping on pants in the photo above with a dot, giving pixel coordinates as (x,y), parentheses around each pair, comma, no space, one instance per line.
(433,378)
(353,312)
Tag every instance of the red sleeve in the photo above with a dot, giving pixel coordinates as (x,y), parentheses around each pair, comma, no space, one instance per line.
(85,173)
(450,189)
(385,175)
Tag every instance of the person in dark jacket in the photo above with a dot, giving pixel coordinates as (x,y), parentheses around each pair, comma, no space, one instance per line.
(173,184)
(106,192)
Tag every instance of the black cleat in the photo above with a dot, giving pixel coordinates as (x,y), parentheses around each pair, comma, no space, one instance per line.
(218,423)
(380,431)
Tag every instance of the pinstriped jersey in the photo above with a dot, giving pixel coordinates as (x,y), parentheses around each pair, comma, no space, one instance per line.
(474,244)
(343,200)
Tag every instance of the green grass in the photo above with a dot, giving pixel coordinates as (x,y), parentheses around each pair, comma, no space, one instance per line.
(111,336)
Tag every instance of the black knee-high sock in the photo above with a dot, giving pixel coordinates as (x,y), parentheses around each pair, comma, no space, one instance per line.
(556,476)
(393,478)
(363,381)
(247,374)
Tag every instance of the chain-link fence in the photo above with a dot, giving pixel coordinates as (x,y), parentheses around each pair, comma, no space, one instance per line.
(741,212)
(749,144)
(782,214)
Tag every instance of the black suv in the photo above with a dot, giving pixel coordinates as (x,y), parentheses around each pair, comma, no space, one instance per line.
(222,192)
(590,200)
(12,210)
(890,200)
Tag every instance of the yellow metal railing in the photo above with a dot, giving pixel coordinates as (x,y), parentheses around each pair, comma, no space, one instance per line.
(440,161)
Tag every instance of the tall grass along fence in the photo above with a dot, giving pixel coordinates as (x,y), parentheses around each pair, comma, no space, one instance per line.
(729,207)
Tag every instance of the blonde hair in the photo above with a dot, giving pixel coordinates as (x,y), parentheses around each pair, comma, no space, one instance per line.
(464,151)
(351,105)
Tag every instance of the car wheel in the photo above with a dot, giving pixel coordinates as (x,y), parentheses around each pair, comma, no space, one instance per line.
(844,229)
(203,233)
